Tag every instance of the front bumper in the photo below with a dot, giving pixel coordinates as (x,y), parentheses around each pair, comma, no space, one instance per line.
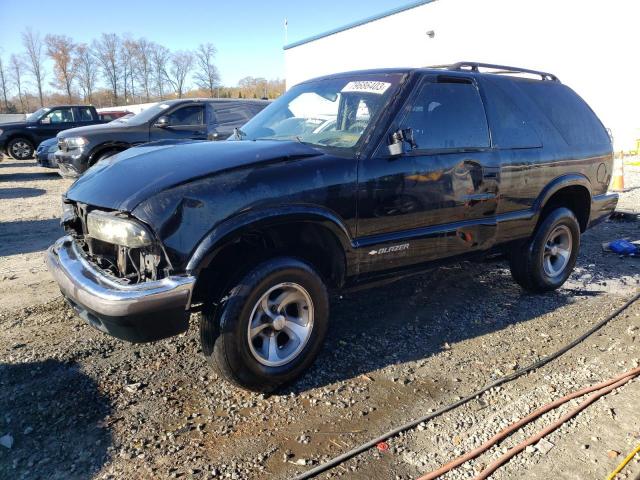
(141,312)
(46,159)
(602,206)
(71,163)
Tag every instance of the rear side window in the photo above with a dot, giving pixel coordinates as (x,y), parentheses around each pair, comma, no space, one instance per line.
(191,115)
(85,114)
(509,126)
(447,115)
(237,114)
(568,113)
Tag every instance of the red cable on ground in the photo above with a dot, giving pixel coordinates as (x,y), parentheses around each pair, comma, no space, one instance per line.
(600,389)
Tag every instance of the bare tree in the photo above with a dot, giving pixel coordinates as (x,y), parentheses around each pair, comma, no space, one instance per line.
(4,85)
(181,65)
(17,68)
(143,58)
(61,49)
(35,54)
(129,65)
(86,69)
(160,58)
(107,50)
(206,75)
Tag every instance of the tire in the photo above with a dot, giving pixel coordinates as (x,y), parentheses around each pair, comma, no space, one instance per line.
(20,148)
(545,261)
(297,292)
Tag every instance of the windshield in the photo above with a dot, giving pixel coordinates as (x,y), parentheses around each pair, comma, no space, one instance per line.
(35,116)
(146,115)
(332,112)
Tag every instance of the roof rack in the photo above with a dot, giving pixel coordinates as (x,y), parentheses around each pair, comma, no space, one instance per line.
(498,69)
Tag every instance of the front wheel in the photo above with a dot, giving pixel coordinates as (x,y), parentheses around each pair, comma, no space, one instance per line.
(20,149)
(546,260)
(270,327)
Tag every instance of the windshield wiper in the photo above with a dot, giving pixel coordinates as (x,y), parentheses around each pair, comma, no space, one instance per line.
(238,134)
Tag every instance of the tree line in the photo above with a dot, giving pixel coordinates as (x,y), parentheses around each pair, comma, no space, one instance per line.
(114,70)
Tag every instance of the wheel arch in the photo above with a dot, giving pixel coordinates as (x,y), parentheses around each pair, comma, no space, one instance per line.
(105,147)
(572,191)
(21,134)
(313,234)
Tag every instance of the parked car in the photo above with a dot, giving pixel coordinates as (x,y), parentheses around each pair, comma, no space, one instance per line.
(202,119)
(20,139)
(45,154)
(110,115)
(345,180)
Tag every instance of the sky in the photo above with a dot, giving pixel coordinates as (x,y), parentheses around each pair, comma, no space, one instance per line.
(249,35)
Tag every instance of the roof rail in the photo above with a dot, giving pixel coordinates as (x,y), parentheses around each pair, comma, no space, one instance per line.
(498,69)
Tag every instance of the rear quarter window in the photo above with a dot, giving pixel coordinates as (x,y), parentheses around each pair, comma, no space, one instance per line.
(510,127)
(567,112)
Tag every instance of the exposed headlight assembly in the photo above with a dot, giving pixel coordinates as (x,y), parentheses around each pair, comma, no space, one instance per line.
(117,230)
(68,213)
(75,142)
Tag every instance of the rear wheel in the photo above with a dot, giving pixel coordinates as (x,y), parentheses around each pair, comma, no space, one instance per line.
(20,148)
(270,327)
(546,260)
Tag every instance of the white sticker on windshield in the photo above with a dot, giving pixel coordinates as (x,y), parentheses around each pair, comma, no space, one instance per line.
(366,86)
(163,106)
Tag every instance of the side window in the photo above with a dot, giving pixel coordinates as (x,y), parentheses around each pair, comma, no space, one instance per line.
(234,115)
(191,115)
(85,114)
(568,113)
(447,115)
(509,126)
(59,115)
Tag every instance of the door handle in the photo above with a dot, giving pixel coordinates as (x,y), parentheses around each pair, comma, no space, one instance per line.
(479,197)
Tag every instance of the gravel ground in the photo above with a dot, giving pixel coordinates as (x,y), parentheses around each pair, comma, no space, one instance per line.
(79,404)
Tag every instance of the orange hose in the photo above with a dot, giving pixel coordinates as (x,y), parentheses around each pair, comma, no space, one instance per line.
(601,388)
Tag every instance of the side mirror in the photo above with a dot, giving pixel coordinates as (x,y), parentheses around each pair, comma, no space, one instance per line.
(45,121)
(399,140)
(162,122)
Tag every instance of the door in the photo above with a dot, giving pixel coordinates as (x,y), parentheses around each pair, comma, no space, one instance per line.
(53,122)
(438,199)
(184,122)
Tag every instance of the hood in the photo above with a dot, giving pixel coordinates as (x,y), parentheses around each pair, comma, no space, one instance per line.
(130,177)
(89,129)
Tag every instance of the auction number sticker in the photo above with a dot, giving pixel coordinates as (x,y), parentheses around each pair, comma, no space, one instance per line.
(366,86)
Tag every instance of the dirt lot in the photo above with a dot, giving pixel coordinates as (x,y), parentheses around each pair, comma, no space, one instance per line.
(79,404)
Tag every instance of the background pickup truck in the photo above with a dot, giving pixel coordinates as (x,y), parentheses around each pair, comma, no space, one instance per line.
(20,139)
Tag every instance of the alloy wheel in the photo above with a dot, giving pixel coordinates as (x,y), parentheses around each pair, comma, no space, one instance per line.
(557,251)
(280,324)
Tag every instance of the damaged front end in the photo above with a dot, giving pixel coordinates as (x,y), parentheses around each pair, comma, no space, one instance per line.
(115,274)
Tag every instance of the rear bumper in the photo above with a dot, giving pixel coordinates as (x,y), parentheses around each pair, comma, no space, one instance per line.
(141,312)
(602,206)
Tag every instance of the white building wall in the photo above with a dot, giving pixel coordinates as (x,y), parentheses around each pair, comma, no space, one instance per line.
(592,46)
